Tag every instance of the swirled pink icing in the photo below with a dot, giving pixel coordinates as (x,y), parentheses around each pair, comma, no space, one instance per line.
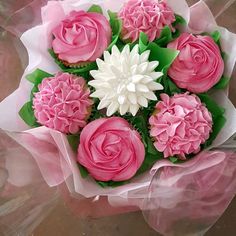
(110,149)
(199,65)
(81,37)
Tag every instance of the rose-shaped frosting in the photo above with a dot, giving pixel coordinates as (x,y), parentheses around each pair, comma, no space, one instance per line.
(110,149)
(81,37)
(148,16)
(180,125)
(62,103)
(199,65)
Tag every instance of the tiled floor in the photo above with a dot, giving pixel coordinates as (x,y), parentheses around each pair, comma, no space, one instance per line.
(61,222)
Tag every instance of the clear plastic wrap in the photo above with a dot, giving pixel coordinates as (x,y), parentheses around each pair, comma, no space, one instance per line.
(26,198)
(185,199)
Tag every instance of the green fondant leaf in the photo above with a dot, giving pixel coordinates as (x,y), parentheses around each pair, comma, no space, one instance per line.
(211,105)
(218,124)
(224,81)
(37,76)
(73,140)
(33,91)
(83,171)
(176,34)
(218,117)
(216,36)
(143,42)
(224,55)
(179,20)
(173,159)
(114,40)
(27,114)
(95,8)
(148,162)
(115,22)
(116,26)
(165,56)
(165,37)
(179,26)
(140,123)
(150,147)
(111,183)
(172,87)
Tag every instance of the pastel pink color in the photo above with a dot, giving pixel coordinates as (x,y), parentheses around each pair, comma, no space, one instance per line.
(180,124)
(110,149)
(81,37)
(148,16)
(199,65)
(62,103)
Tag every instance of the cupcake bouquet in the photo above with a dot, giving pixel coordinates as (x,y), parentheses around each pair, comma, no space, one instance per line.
(121,87)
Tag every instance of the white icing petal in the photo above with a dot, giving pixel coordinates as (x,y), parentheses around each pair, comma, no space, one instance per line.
(143,67)
(143,101)
(125,80)
(121,99)
(115,51)
(112,108)
(133,109)
(144,56)
(156,75)
(142,88)
(98,94)
(150,96)
(155,86)
(152,65)
(124,108)
(131,87)
(107,56)
(101,64)
(103,104)
(132,98)
(126,51)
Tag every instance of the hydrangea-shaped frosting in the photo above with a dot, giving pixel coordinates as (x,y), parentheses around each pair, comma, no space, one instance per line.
(62,103)
(125,81)
(180,125)
(148,16)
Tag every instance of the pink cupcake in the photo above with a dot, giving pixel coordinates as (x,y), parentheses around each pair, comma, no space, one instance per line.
(62,103)
(81,38)
(148,16)
(180,125)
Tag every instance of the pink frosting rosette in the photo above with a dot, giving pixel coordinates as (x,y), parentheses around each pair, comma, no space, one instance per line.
(62,103)
(81,37)
(199,65)
(148,16)
(180,125)
(110,149)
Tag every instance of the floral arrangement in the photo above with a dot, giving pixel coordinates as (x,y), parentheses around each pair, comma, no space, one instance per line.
(133,89)
(120,90)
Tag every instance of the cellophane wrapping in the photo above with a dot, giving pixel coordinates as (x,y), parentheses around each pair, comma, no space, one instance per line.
(35,163)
